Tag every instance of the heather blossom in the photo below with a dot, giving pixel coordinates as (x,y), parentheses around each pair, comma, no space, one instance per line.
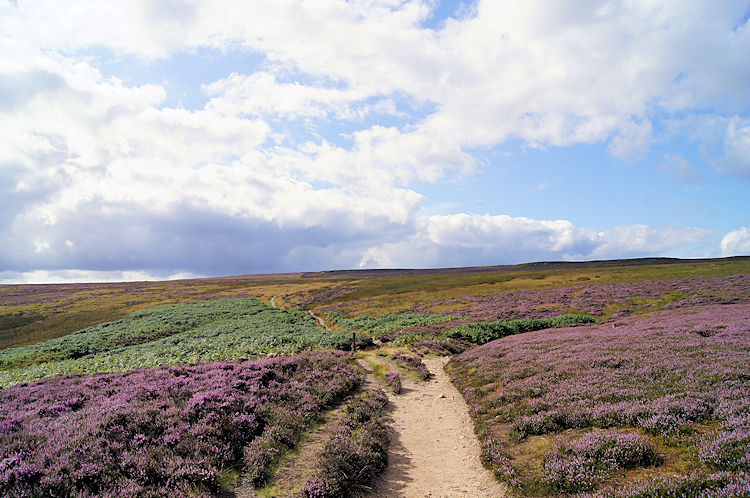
(393,380)
(580,464)
(594,299)
(660,375)
(161,431)
(412,364)
(356,452)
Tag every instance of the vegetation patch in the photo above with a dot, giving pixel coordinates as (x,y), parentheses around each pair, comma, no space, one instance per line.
(580,464)
(651,375)
(412,364)
(165,431)
(356,453)
(11,321)
(484,332)
(222,329)
(699,483)
(393,380)
(379,326)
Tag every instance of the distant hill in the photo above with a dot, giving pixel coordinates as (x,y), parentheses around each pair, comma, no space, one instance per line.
(539,265)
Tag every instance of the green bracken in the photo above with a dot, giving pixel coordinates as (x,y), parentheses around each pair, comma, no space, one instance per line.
(484,332)
(171,335)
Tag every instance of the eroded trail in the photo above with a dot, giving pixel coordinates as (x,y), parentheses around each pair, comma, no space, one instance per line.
(434,451)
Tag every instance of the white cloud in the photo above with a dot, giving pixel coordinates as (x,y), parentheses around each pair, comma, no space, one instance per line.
(678,168)
(737,149)
(736,243)
(86,276)
(642,240)
(543,186)
(572,73)
(260,94)
(469,239)
(632,141)
(99,171)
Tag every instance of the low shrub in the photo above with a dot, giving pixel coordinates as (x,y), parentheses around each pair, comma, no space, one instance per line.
(441,346)
(728,450)
(356,453)
(580,464)
(494,457)
(413,364)
(484,332)
(705,485)
(651,373)
(393,380)
(388,322)
(164,431)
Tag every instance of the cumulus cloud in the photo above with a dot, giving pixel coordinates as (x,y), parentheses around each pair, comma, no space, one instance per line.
(468,239)
(98,172)
(736,243)
(737,148)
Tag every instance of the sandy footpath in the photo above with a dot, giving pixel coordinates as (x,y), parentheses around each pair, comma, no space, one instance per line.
(434,451)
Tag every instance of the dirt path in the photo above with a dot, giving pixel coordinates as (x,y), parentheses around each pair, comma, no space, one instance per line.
(273,300)
(316,317)
(434,451)
(319,320)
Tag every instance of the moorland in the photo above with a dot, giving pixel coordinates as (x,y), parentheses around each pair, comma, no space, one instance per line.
(613,378)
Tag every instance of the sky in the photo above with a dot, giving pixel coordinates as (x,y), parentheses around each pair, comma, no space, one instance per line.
(155,139)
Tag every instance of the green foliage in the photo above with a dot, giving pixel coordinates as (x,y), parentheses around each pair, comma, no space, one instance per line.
(407,339)
(171,335)
(387,322)
(483,332)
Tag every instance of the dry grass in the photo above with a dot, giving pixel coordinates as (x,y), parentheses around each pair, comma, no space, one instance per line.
(55,310)
(51,311)
(391,294)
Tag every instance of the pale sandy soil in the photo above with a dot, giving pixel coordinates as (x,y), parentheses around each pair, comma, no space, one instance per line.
(434,451)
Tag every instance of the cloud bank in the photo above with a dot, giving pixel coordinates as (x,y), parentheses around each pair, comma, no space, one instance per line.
(314,159)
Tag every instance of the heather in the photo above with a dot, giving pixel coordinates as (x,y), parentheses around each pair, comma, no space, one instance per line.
(357,451)
(578,465)
(214,330)
(680,377)
(440,346)
(483,332)
(600,300)
(393,380)
(164,431)
(412,364)
(708,485)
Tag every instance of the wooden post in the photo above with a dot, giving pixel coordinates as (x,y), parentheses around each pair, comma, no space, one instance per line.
(354,342)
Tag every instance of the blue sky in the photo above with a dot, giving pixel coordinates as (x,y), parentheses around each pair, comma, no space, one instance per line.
(163,139)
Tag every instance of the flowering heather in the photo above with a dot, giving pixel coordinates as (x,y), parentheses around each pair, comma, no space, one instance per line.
(413,364)
(596,299)
(494,456)
(161,431)
(705,485)
(578,465)
(661,373)
(356,453)
(730,449)
(393,380)
(441,346)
